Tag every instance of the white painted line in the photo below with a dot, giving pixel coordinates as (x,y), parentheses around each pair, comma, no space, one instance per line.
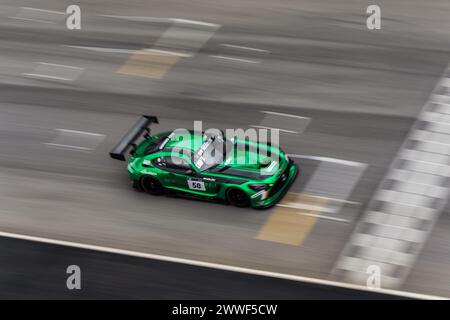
(160,19)
(37,75)
(43,10)
(243,48)
(328,159)
(33,20)
(81,132)
(131,51)
(277,129)
(320,216)
(60,65)
(304,206)
(100,49)
(64,146)
(200,23)
(218,266)
(285,115)
(137,18)
(235,59)
(173,53)
(354,203)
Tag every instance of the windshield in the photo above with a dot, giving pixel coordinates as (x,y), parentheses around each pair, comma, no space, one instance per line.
(211,153)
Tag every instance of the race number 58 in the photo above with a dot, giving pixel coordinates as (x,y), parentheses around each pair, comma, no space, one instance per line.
(196,185)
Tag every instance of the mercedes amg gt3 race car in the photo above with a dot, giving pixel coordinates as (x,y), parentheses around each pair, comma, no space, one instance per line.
(198,164)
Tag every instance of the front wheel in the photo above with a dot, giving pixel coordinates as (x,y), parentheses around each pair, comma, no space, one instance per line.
(152,186)
(238,198)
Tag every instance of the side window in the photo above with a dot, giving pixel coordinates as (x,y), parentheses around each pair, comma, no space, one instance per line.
(160,162)
(172,164)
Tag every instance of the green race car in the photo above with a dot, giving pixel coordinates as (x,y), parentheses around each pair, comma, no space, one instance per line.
(211,166)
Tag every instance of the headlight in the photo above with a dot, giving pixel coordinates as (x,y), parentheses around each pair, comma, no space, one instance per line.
(258,187)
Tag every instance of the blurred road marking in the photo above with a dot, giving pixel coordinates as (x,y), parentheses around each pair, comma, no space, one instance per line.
(291,225)
(407,203)
(76,140)
(288,123)
(244,48)
(33,20)
(159,19)
(64,146)
(328,159)
(195,22)
(136,18)
(217,266)
(285,115)
(60,65)
(236,59)
(100,49)
(35,75)
(270,128)
(81,132)
(334,179)
(39,15)
(153,66)
(178,41)
(129,51)
(320,216)
(44,10)
(55,72)
(172,53)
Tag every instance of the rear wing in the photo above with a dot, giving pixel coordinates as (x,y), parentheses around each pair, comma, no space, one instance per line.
(135,132)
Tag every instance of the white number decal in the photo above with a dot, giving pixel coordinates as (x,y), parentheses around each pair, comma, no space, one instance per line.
(196,185)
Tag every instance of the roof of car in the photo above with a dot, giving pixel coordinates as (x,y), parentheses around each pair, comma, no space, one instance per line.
(181,140)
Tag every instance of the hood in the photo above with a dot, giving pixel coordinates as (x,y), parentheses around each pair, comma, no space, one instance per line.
(253,160)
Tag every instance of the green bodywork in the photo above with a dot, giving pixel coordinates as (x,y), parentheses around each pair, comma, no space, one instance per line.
(262,178)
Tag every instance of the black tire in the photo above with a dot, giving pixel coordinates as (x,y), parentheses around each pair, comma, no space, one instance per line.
(136,184)
(238,198)
(152,186)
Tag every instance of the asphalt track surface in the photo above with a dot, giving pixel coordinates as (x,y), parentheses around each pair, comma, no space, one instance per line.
(361,90)
(33,270)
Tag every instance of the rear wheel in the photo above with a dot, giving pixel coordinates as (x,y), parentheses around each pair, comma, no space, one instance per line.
(238,198)
(152,186)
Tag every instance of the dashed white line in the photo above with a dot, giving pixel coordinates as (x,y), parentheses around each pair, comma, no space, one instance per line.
(310,207)
(285,115)
(236,59)
(37,75)
(43,10)
(271,128)
(201,23)
(328,159)
(65,146)
(131,51)
(136,18)
(160,20)
(33,20)
(216,266)
(60,65)
(81,132)
(244,48)
(100,49)
(172,53)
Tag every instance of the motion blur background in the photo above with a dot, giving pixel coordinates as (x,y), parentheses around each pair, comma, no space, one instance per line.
(344,97)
